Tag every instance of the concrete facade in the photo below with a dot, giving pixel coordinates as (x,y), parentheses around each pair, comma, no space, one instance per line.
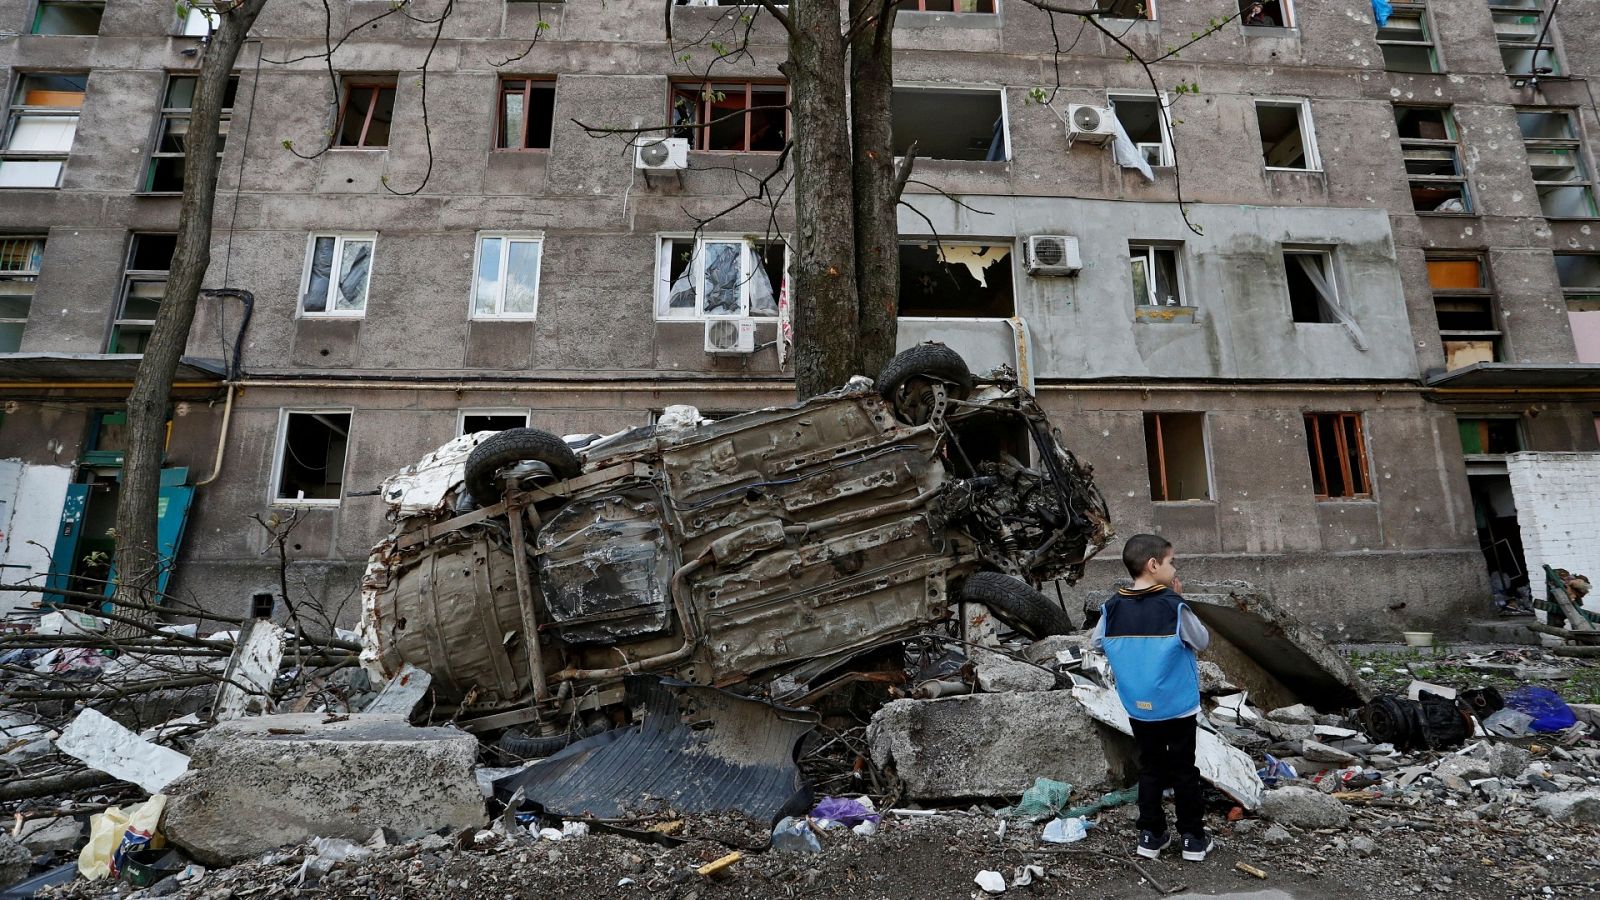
(596,356)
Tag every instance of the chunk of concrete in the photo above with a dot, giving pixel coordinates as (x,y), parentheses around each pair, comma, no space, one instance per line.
(1316,751)
(1047,650)
(1571,806)
(1304,808)
(56,834)
(995,745)
(1298,714)
(1213,680)
(15,861)
(1464,767)
(259,783)
(997,673)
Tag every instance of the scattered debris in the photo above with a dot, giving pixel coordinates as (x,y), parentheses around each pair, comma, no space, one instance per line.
(104,745)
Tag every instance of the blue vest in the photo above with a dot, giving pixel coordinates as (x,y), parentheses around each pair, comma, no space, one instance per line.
(1157,674)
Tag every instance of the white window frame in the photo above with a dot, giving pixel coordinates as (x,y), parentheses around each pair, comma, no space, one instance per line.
(17,110)
(1167,156)
(273,500)
(200,21)
(1005,102)
(1329,274)
(340,237)
(663,277)
(1147,250)
(1308,131)
(509,237)
(461,415)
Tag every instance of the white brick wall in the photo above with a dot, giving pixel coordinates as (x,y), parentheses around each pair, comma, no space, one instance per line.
(1558,511)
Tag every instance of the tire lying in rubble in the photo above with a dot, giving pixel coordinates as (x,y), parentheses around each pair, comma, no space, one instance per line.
(1017,604)
(934,362)
(512,446)
(525,746)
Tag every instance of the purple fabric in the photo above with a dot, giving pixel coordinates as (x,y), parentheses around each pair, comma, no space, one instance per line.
(843,810)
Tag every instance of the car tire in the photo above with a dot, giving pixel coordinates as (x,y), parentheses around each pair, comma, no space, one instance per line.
(515,445)
(1017,604)
(934,362)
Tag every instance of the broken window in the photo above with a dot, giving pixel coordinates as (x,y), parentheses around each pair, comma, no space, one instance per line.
(1464,308)
(738,116)
(1156,281)
(472,421)
(1313,296)
(1338,454)
(200,19)
(165,173)
(1406,40)
(68,17)
(144,283)
(1286,138)
(1490,436)
(1146,127)
(1555,159)
(311,455)
(1175,449)
(950,124)
(1126,9)
(526,114)
(507,282)
(1580,285)
(1266,13)
(40,129)
(366,113)
(20,258)
(1428,142)
(963,279)
(1526,37)
(960,6)
(338,267)
(720,276)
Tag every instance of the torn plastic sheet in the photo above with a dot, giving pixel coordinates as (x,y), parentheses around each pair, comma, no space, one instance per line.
(102,744)
(697,750)
(251,671)
(1227,767)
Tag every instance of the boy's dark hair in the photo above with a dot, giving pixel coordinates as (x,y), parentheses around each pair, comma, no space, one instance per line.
(1140,549)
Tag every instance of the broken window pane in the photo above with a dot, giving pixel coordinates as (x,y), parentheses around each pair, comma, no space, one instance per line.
(1175,450)
(726,278)
(1406,42)
(1337,450)
(61,17)
(200,20)
(1527,46)
(1464,310)
(354,265)
(337,272)
(20,259)
(144,284)
(165,171)
(956,279)
(949,124)
(1489,436)
(527,114)
(1266,13)
(735,116)
(1124,9)
(721,278)
(366,114)
(312,455)
(1311,294)
(1155,275)
(1555,159)
(1141,119)
(1284,135)
(1428,145)
(960,6)
(42,124)
(474,421)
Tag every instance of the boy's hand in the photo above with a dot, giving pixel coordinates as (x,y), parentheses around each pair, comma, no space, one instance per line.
(1177,584)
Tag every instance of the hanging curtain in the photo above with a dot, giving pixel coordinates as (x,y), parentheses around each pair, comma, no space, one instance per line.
(1311,267)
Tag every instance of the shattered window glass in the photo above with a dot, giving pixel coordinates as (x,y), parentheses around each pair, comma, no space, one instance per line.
(720,279)
(508,276)
(724,278)
(351,258)
(316,298)
(353,271)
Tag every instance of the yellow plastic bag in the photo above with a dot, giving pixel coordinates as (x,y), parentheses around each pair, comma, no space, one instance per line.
(113,833)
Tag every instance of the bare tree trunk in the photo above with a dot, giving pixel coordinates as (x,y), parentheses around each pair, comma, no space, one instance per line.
(826,310)
(137,552)
(876,192)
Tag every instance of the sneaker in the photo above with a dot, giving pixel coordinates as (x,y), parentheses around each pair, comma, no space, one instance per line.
(1151,844)
(1196,846)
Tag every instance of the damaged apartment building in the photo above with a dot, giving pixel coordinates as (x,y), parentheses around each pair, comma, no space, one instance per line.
(1390,303)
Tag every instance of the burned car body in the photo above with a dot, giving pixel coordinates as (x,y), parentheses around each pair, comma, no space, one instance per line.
(780,541)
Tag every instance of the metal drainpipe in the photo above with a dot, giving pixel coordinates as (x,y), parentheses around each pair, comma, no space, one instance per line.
(222,439)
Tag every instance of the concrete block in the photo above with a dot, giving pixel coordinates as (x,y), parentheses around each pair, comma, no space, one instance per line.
(1304,808)
(15,861)
(997,674)
(1571,806)
(57,834)
(259,783)
(995,745)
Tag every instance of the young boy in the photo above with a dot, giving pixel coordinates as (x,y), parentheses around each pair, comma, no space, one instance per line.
(1150,637)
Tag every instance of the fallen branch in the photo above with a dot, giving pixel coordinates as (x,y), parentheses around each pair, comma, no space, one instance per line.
(20,789)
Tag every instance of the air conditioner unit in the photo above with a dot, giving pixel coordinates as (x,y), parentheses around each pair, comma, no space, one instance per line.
(1090,124)
(659,154)
(730,335)
(1052,254)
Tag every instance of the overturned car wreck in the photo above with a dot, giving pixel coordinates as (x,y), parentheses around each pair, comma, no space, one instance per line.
(529,574)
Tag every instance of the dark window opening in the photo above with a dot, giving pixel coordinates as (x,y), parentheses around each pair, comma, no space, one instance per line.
(262,605)
(144,284)
(1266,13)
(1406,42)
(472,423)
(527,114)
(1481,437)
(1141,119)
(1464,309)
(366,114)
(1283,144)
(1311,291)
(1338,455)
(58,17)
(312,467)
(165,173)
(967,125)
(1579,274)
(1437,179)
(956,279)
(1175,451)
(732,116)
(20,259)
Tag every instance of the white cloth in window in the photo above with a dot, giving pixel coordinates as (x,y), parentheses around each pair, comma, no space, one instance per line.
(1310,266)
(1127,152)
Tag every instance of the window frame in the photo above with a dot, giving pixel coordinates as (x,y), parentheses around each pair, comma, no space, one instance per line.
(922,6)
(1163,117)
(1544,27)
(701,128)
(328,311)
(1574,145)
(1319,472)
(1147,249)
(1293,17)
(1522,435)
(1329,274)
(1484,292)
(38,16)
(347,87)
(170,113)
(1424,19)
(1588,295)
(1161,455)
(24,275)
(16,110)
(1452,143)
(663,274)
(199,11)
(510,237)
(1306,124)
(282,441)
(998,91)
(463,412)
(130,276)
(528,82)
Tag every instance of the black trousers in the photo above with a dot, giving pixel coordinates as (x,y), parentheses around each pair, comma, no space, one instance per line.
(1166,759)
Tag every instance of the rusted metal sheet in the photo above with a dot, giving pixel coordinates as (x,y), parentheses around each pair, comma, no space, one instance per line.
(698,750)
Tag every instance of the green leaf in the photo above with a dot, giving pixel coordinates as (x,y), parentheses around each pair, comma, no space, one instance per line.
(288,144)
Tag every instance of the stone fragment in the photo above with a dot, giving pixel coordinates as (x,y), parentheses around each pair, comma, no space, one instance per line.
(1281,731)
(1465,767)
(1213,680)
(995,745)
(1362,846)
(15,861)
(1303,808)
(997,673)
(51,835)
(1277,835)
(1316,751)
(1582,807)
(1507,760)
(1298,714)
(1046,651)
(259,783)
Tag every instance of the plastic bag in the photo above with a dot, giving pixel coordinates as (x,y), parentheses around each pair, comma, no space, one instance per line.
(795,834)
(1066,831)
(1274,770)
(1045,799)
(1546,707)
(114,834)
(844,810)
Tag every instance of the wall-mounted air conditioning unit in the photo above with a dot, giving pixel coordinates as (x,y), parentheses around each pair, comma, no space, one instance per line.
(1052,254)
(1090,124)
(730,335)
(661,154)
